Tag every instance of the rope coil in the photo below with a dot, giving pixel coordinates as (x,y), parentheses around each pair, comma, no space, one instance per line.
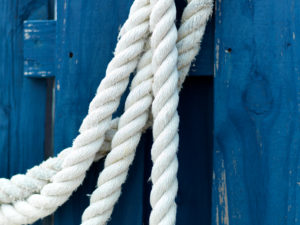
(149,43)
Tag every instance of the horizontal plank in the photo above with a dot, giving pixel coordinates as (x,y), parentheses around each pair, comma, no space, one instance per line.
(39,48)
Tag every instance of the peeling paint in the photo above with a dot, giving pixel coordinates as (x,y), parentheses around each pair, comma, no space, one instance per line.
(65,5)
(223,200)
(28,73)
(58,86)
(26,36)
(217,216)
(217,55)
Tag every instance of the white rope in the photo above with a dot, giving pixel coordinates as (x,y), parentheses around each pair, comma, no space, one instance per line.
(124,144)
(133,120)
(190,33)
(164,110)
(22,186)
(194,19)
(93,127)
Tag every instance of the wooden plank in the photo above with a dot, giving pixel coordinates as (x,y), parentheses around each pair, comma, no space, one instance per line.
(86,38)
(22,101)
(257,133)
(39,48)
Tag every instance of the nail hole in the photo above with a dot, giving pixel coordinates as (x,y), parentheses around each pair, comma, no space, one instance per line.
(228,50)
(71,54)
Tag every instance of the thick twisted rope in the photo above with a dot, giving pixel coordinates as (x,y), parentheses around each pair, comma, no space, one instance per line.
(195,21)
(121,156)
(93,127)
(124,144)
(21,186)
(164,110)
(190,33)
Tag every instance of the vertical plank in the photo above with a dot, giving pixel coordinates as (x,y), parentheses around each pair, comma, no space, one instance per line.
(257,96)
(86,37)
(22,100)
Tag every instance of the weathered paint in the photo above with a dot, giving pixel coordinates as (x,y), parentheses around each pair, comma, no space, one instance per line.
(256,128)
(39,48)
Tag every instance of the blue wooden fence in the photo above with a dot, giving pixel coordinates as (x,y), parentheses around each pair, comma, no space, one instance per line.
(239,129)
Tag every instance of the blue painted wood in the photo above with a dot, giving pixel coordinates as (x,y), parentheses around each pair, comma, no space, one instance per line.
(22,101)
(39,48)
(257,133)
(86,38)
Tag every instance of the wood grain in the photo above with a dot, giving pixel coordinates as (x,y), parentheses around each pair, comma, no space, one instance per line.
(256,129)
(22,100)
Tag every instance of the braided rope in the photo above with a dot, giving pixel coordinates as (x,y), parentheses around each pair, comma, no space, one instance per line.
(194,19)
